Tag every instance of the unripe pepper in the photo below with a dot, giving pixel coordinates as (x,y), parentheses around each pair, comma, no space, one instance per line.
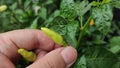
(28,55)
(3,8)
(57,38)
(92,22)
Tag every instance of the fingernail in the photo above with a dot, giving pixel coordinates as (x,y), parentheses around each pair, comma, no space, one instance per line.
(69,55)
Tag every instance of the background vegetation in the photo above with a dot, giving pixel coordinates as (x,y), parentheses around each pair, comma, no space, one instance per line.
(91,26)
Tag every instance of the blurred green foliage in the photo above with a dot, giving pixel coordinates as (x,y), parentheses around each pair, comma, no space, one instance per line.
(27,13)
(98,46)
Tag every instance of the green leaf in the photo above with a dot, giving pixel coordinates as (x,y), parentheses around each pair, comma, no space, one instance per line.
(67,9)
(59,25)
(82,7)
(99,57)
(56,13)
(13,6)
(106,1)
(115,40)
(95,3)
(43,13)
(19,12)
(49,2)
(115,49)
(53,16)
(65,28)
(115,3)
(117,65)
(71,32)
(115,44)
(102,16)
(27,3)
(80,63)
(34,24)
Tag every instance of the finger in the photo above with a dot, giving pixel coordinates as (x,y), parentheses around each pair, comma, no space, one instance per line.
(28,39)
(5,62)
(41,54)
(58,58)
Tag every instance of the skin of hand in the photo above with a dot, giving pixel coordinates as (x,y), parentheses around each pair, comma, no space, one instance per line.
(49,54)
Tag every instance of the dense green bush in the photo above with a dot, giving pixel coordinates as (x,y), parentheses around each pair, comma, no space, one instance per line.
(91,26)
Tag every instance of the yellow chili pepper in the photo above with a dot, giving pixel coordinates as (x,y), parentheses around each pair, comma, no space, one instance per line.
(28,55)
(92,22)
(57,38)
(3,8)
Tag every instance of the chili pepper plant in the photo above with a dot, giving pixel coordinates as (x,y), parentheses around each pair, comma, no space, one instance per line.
(90,26)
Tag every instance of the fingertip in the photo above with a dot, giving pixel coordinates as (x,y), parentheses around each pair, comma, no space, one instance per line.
(59,58)
(69,55)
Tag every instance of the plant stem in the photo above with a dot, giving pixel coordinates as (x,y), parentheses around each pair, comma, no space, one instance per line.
(82,31)
(87,23)
(81,21)
(79,39)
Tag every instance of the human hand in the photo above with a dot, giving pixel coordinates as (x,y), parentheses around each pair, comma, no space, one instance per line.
(49,54)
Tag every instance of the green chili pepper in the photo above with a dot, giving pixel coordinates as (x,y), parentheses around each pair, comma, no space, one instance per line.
(57,38)
(28,55)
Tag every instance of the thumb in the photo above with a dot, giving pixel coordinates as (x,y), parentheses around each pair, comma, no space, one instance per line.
(58,58)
